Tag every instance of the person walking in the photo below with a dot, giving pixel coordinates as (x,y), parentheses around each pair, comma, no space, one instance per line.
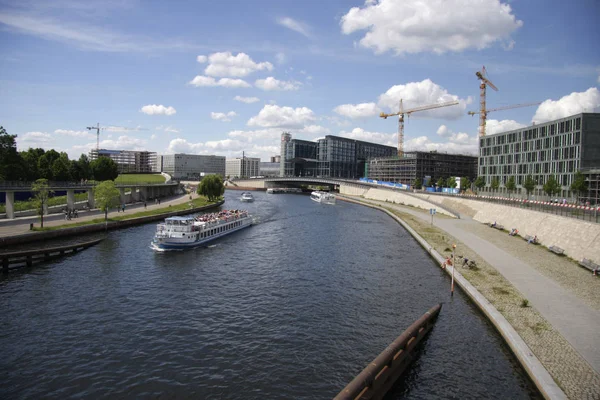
(123,207)
(144,204)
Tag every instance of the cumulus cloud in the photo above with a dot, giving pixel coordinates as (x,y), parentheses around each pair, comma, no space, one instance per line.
(358,110)
(283,117)
(226,147)
(208,81)
(439,26)
(169,129)
(124,143)
(315,130)
(183,146)
(226,64)
(247,100)
(426,92)
(224,117)
(269,134)
(271,83)
(75,134)
(388,139)
(494,126)
(294,25)
(576,102)
(280,57)
(34,138)
(459,138)
(423,143)
(155,109)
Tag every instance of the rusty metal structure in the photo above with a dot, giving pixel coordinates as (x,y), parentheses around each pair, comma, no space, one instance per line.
(481,75)
(378,377)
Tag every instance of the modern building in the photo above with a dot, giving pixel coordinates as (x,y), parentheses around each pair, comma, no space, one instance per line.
(559,148)
(428,166)
(129,161)
(269,169)
(332,156)
(242,167)
(191,167)
(275,159)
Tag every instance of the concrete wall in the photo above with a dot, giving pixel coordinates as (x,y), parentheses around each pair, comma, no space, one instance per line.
(579,239)
(251,183)
(402,198)
(352,190)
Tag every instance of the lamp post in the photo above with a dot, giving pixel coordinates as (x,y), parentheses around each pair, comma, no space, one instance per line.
(453,267)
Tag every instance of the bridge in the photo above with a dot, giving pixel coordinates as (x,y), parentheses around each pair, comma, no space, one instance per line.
(139,192)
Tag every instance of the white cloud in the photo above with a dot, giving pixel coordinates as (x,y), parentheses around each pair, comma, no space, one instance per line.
(271,83)
(576,102)
(230,148)
(169,129)
(439,26)
(123,143)
(416,94)
(209,81)
(202,59)
(294,25)
(465,145)
(269,134)
(315,130)
(183,146)
(280,57)
(388,139)
(156,109)
(33,138)
(494,126)
(282,117)
(247,100)
(152,137)
(358,110)
(76,134)
(224,117)
(226,64)
(458,138)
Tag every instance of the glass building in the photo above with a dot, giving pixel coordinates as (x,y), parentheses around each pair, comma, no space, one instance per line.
(129,161)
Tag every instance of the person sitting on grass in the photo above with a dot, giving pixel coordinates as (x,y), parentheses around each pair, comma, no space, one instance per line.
(514,232)
(532,240)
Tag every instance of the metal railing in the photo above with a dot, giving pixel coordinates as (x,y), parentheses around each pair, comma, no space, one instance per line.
(20,185)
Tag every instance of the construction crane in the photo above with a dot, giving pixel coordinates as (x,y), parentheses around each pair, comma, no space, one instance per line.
(489,110)
(403,112)
(481,75)
(97,128)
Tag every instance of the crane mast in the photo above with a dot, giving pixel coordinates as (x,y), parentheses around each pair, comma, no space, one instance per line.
(489,110)
(403,112)
(482,88)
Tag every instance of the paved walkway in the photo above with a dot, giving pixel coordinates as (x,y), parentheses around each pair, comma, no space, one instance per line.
(575,320)
(17,226)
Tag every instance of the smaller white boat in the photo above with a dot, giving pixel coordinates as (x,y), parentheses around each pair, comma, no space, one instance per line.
(247,197)
(322,197)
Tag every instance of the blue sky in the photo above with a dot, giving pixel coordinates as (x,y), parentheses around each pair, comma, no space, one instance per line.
(222,77)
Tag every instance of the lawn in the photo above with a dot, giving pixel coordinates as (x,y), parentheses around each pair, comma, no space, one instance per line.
(52,201)
(139,178)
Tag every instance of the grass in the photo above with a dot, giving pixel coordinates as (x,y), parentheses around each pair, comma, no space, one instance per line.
(53,201)
(139,178)
(197,202)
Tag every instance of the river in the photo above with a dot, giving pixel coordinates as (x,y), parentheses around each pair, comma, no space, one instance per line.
(291,308)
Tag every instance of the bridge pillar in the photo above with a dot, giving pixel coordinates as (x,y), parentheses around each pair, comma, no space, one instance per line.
(10,205)
(91,203)
(122,195)
(71,199)
(144,193)
(134,195)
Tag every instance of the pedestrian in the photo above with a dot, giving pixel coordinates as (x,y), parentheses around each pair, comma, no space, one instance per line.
(156,200)
(159,200)
(144,204)
(123,207)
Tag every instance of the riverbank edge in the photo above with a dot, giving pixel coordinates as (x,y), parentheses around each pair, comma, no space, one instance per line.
(540,377)
(99,227)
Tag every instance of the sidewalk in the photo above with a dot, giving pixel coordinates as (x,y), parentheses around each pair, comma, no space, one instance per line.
(17,226)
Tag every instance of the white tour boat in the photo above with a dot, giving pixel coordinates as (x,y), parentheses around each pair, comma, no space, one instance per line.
(247,197)
(322,197)
(178,233)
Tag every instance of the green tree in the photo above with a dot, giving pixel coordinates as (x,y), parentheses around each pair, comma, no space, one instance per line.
(479,182)
(551,186)
(41,195)
(212,187)
(529,185)
(104,169)
(106,195)
(441,182)
(417,184)
(61,168)
(83,169)
(511,185)
(31,159)
(579,184)
(495,184)
(45,163)
(10,162)
(451,182)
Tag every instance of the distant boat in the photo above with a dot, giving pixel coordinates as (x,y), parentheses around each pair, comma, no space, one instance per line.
(178,233)
(247,197)
(283,190)
(322,197)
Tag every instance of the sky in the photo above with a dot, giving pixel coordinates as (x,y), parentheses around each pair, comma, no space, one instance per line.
(226,77)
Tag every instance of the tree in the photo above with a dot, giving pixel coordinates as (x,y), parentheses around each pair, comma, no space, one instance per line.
(106,195)
(551,186)
(212,187)
(10,162)
(441,182)
(61,168)
(31,159)
(104,169)
(417,184)
(41,194)
(511,185)
(45,163)
(479,182)
(579,184)
(465,183)
(529,185)
(451,182)
(495,184)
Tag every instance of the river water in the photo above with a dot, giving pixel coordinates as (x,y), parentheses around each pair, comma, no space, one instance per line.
(291,308)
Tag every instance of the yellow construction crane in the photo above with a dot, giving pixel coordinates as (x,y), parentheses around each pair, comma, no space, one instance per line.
(489,110)
(481,75)
(97,128)
(403,112)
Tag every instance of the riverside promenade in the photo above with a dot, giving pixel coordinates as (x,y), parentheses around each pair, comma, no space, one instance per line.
(18,226)
(561,323)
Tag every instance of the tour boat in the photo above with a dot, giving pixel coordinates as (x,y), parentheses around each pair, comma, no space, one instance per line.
(178,233)
(247,197)
(322,197)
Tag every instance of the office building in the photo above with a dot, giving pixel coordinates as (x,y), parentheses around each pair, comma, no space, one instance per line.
(269,169)
(128,161)
(243,167)
(428,166)
(192,167)
(559,148)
